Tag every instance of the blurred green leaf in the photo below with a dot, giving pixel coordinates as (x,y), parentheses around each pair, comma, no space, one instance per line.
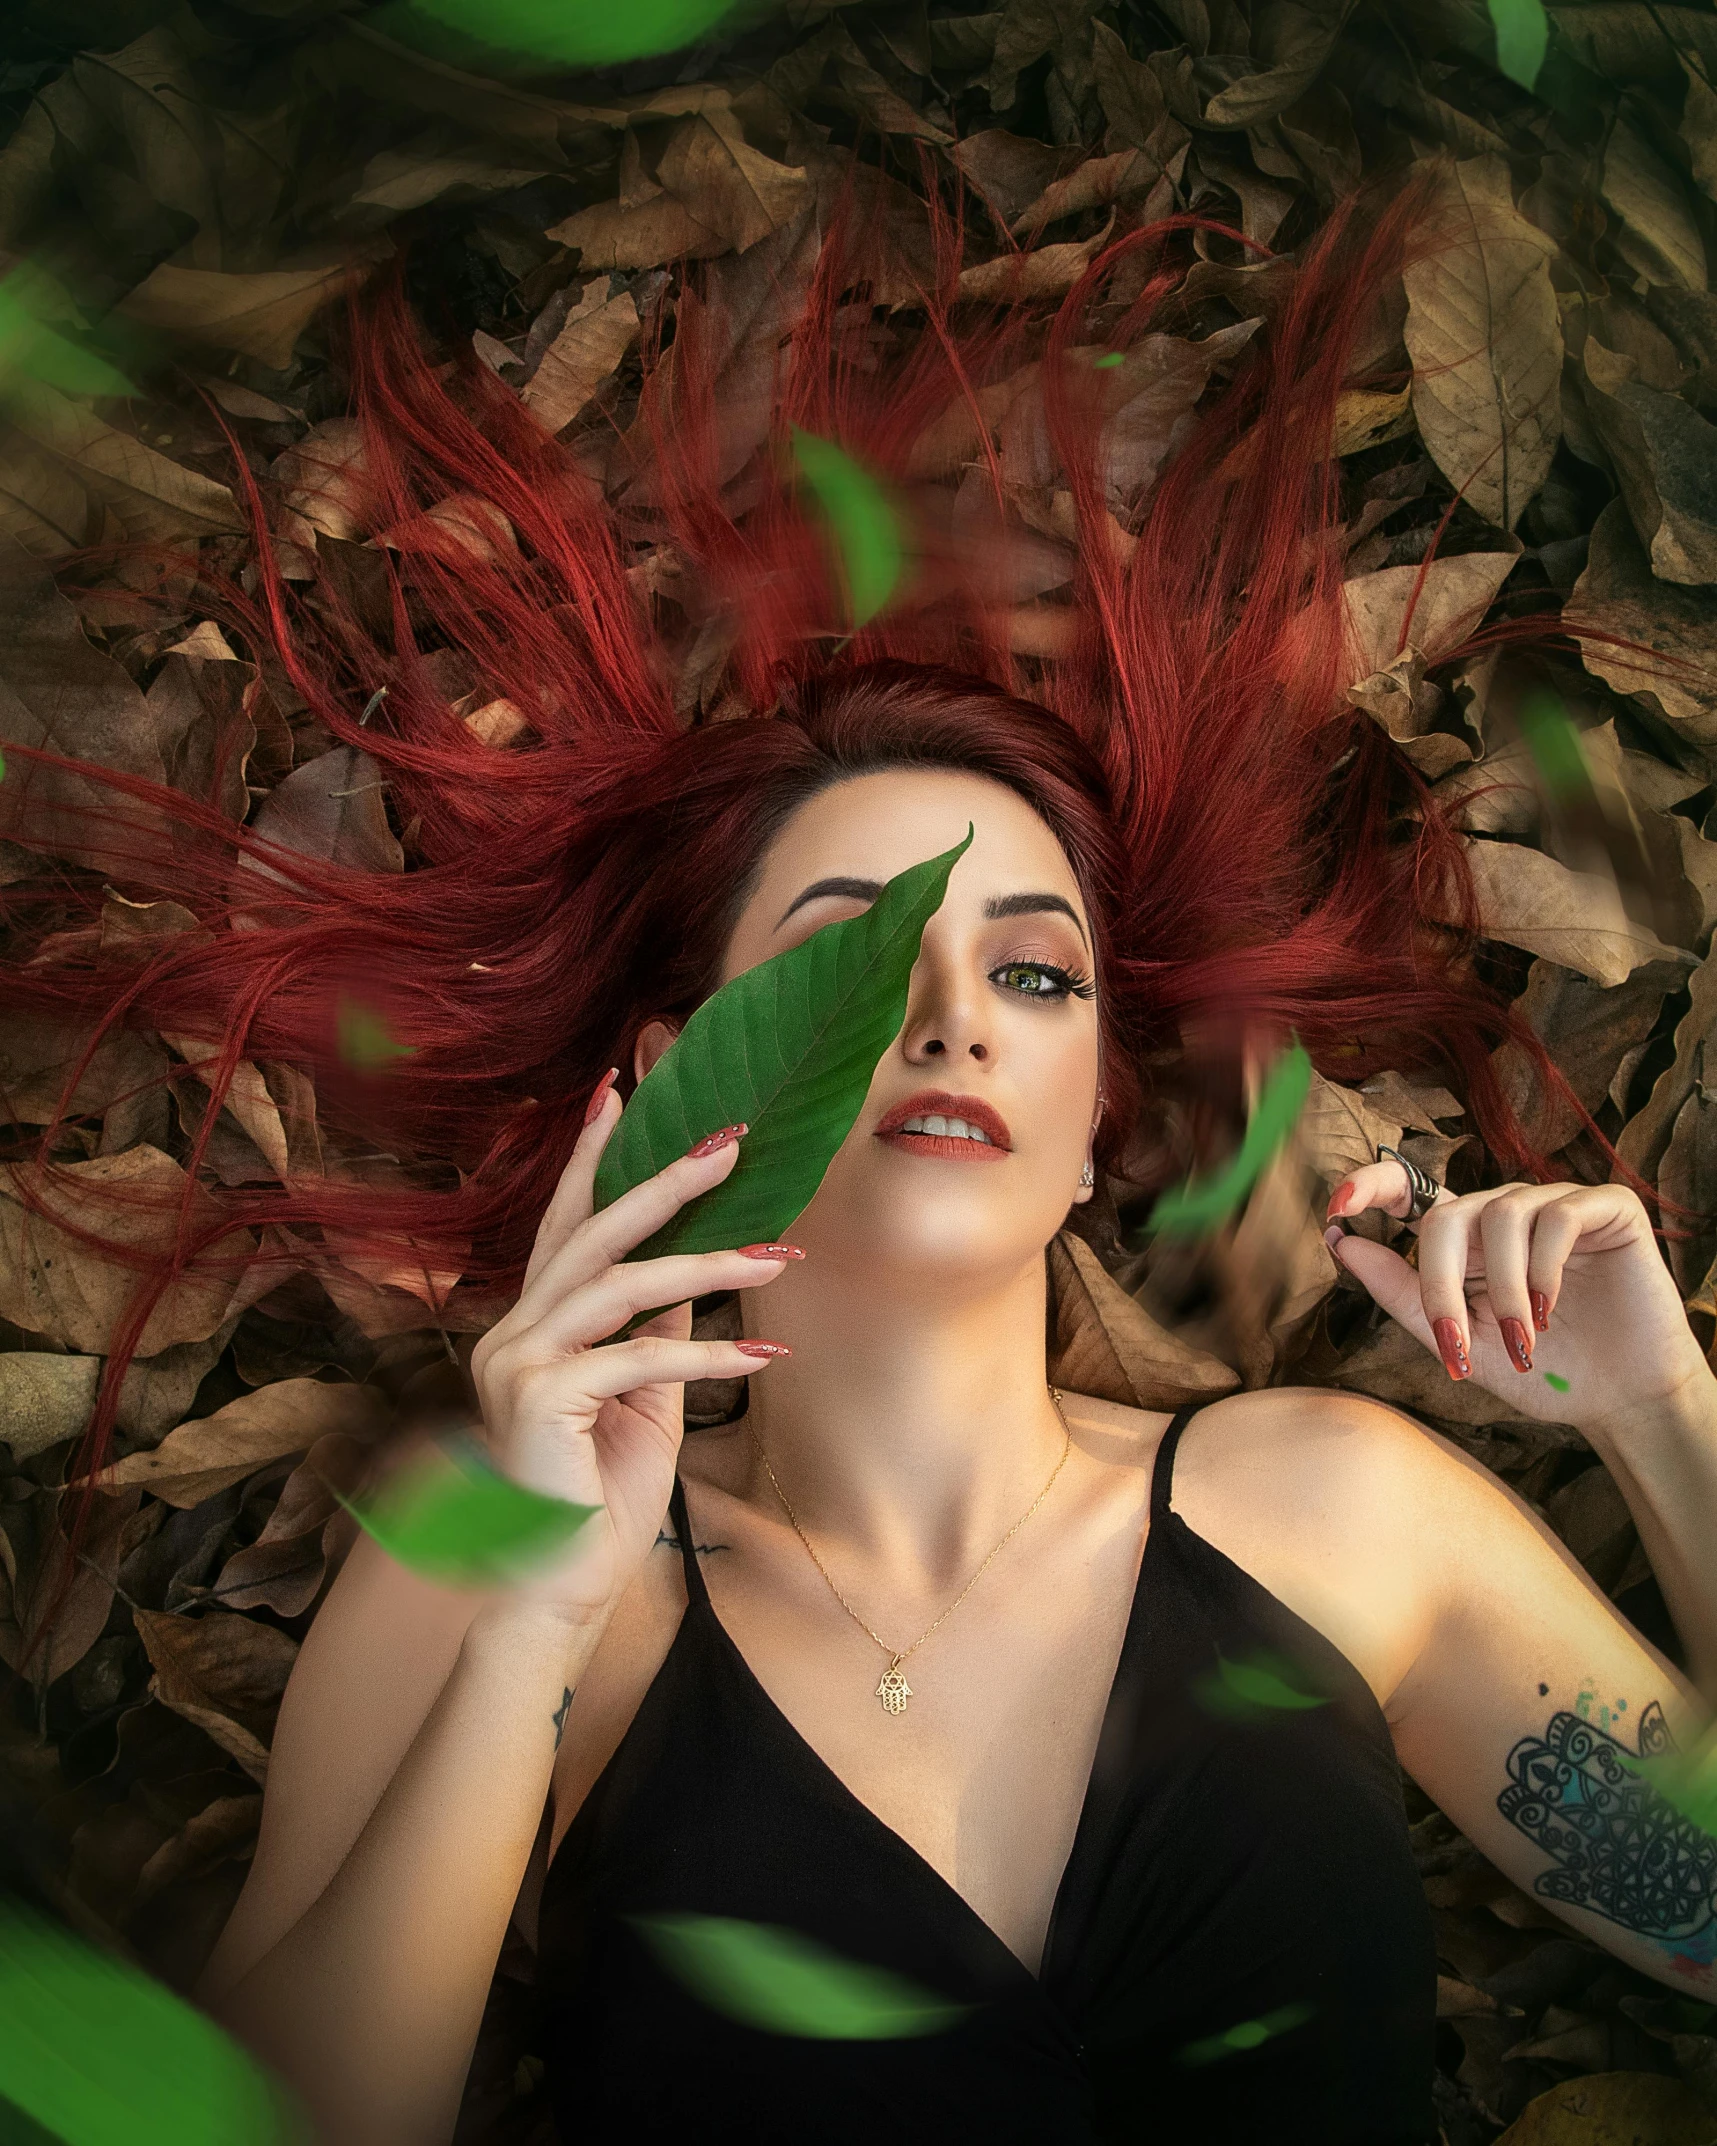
(1554,743)
(1249,2034)
(783,1983)
(866,528)
(364,1040)
(1250,1690)
(97,2054)
(788,1048)
(581,33)
(453,1517)
(1202,1202)
(31,349)
(1686,1780)
(1522,38)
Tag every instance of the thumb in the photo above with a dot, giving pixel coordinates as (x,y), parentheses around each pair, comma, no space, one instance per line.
(1389,1279)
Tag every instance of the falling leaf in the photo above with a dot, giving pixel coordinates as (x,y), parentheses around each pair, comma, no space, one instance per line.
(1201,1203)
(1486,343)
(1522,38)
(455,1518)
(159,2073)
(1253,1690)
(788,1048)
(778,1982)
(1555,746)
(581,33)
(29,346)
(865,527)
(1248,2034)
(364,1040)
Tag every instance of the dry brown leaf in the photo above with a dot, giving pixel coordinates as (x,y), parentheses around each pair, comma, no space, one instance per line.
(1366,417)
(1105,182)
(1044,272)
(1588,1030)
(224,1672)
(284,1568)
(1665,459)
(594,337)
(1104,1343)
(1409,708)
(1009,172)
(1528,900)
(1655,229)
(1340,1130)
(1390,1365)
(150,496)
(219,1831)
(1643,1139)
(497,723)
(51,1284)
(331,809)
(204,1457)
(1486,342)
(1618,594)
(1688,1176)
(261,314)
(713,193)
(83,1614)
(1614,2108)
(1432,608)
(246,1097)
(324,479)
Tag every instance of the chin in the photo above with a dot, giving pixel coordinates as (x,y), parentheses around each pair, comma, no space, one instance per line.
(932,1236)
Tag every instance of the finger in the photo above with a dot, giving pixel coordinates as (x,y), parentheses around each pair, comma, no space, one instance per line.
(1505,1231)
(602,1306)
(657,1360)
(601,1240)
(1444,1241)
(1388,1279)
(1558,1228)
(572,1196)
(1381,1185)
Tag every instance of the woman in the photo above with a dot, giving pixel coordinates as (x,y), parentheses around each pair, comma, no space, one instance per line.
(955,1676)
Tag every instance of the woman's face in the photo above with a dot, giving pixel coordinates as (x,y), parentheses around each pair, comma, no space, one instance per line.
(993,1034)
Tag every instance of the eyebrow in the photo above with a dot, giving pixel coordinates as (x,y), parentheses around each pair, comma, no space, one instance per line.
(998,905)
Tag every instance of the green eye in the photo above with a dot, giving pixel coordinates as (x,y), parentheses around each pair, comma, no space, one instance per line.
(1042,979)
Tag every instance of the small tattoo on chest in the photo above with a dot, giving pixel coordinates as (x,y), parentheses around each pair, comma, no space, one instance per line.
(668,1540)
(560,1714)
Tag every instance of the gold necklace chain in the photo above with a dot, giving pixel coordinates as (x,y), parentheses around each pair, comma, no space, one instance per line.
(894,1691)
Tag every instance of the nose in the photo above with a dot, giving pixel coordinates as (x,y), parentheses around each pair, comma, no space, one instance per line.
(947,1019)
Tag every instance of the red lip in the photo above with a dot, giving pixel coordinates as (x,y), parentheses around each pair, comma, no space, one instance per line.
(939,1102)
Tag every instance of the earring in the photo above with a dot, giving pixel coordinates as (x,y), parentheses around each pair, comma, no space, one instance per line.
(1088,1176)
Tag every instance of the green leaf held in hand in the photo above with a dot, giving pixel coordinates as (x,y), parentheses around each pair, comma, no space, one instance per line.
(783,1983)
(1522,39)
(580,33)
(788,1048)
(97,2054)
(1202,1202)
(866,528)
(456,1519)
(1249,2034)
(1252,1690)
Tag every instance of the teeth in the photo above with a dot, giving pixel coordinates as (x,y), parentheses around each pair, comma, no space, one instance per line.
(957,1128)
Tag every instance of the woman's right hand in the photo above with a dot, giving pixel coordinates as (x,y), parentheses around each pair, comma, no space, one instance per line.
(601,1425)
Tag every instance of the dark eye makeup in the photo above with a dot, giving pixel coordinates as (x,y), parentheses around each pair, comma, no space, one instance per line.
(1043,980)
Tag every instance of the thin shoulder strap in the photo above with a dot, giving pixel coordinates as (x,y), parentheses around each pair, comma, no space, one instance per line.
(696,1591)
(1162,1474)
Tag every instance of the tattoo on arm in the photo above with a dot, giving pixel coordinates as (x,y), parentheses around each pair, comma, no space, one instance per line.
(560,1714)
(1619,1847)
(668,1540)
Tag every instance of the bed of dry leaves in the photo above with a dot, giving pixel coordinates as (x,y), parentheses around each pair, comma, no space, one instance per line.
(200,178)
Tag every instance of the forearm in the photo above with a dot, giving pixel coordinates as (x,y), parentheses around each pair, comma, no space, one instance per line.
(369,2006)
(1664,1461)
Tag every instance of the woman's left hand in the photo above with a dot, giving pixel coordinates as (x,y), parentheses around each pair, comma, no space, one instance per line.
(1555,1297)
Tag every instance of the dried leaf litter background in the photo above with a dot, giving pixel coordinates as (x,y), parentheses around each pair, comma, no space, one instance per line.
(197,180)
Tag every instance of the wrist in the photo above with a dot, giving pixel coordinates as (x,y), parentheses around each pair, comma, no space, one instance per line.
(515,1625)
(1689,1407)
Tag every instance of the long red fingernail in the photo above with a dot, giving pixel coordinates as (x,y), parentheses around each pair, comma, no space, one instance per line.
(763,1348)
(1517,1342)
(771,1251)
(1541,1311)
(1452,1348)
(711,1141)
(593,1109)
(1339,1198)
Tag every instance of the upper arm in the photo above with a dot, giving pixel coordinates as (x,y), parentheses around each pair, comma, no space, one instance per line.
(1529,1692)
(373,1663)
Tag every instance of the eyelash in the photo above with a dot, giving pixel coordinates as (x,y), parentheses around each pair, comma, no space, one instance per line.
(1069,982)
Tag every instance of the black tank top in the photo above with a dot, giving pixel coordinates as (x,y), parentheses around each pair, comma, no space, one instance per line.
(1239,1949)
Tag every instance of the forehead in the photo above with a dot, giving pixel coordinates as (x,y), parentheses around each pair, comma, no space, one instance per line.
(873,826)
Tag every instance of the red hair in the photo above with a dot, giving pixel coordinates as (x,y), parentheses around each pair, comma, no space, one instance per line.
(1250,847)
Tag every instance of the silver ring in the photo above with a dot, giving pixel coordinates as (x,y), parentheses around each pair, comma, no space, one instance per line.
(1420,1184)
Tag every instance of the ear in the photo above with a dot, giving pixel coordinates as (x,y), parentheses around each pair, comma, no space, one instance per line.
(653,1039)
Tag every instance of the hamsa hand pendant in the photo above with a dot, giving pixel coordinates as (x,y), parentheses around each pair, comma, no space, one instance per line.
(893,1691)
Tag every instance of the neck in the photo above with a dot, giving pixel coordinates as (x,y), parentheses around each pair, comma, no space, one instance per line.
(910,1432)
